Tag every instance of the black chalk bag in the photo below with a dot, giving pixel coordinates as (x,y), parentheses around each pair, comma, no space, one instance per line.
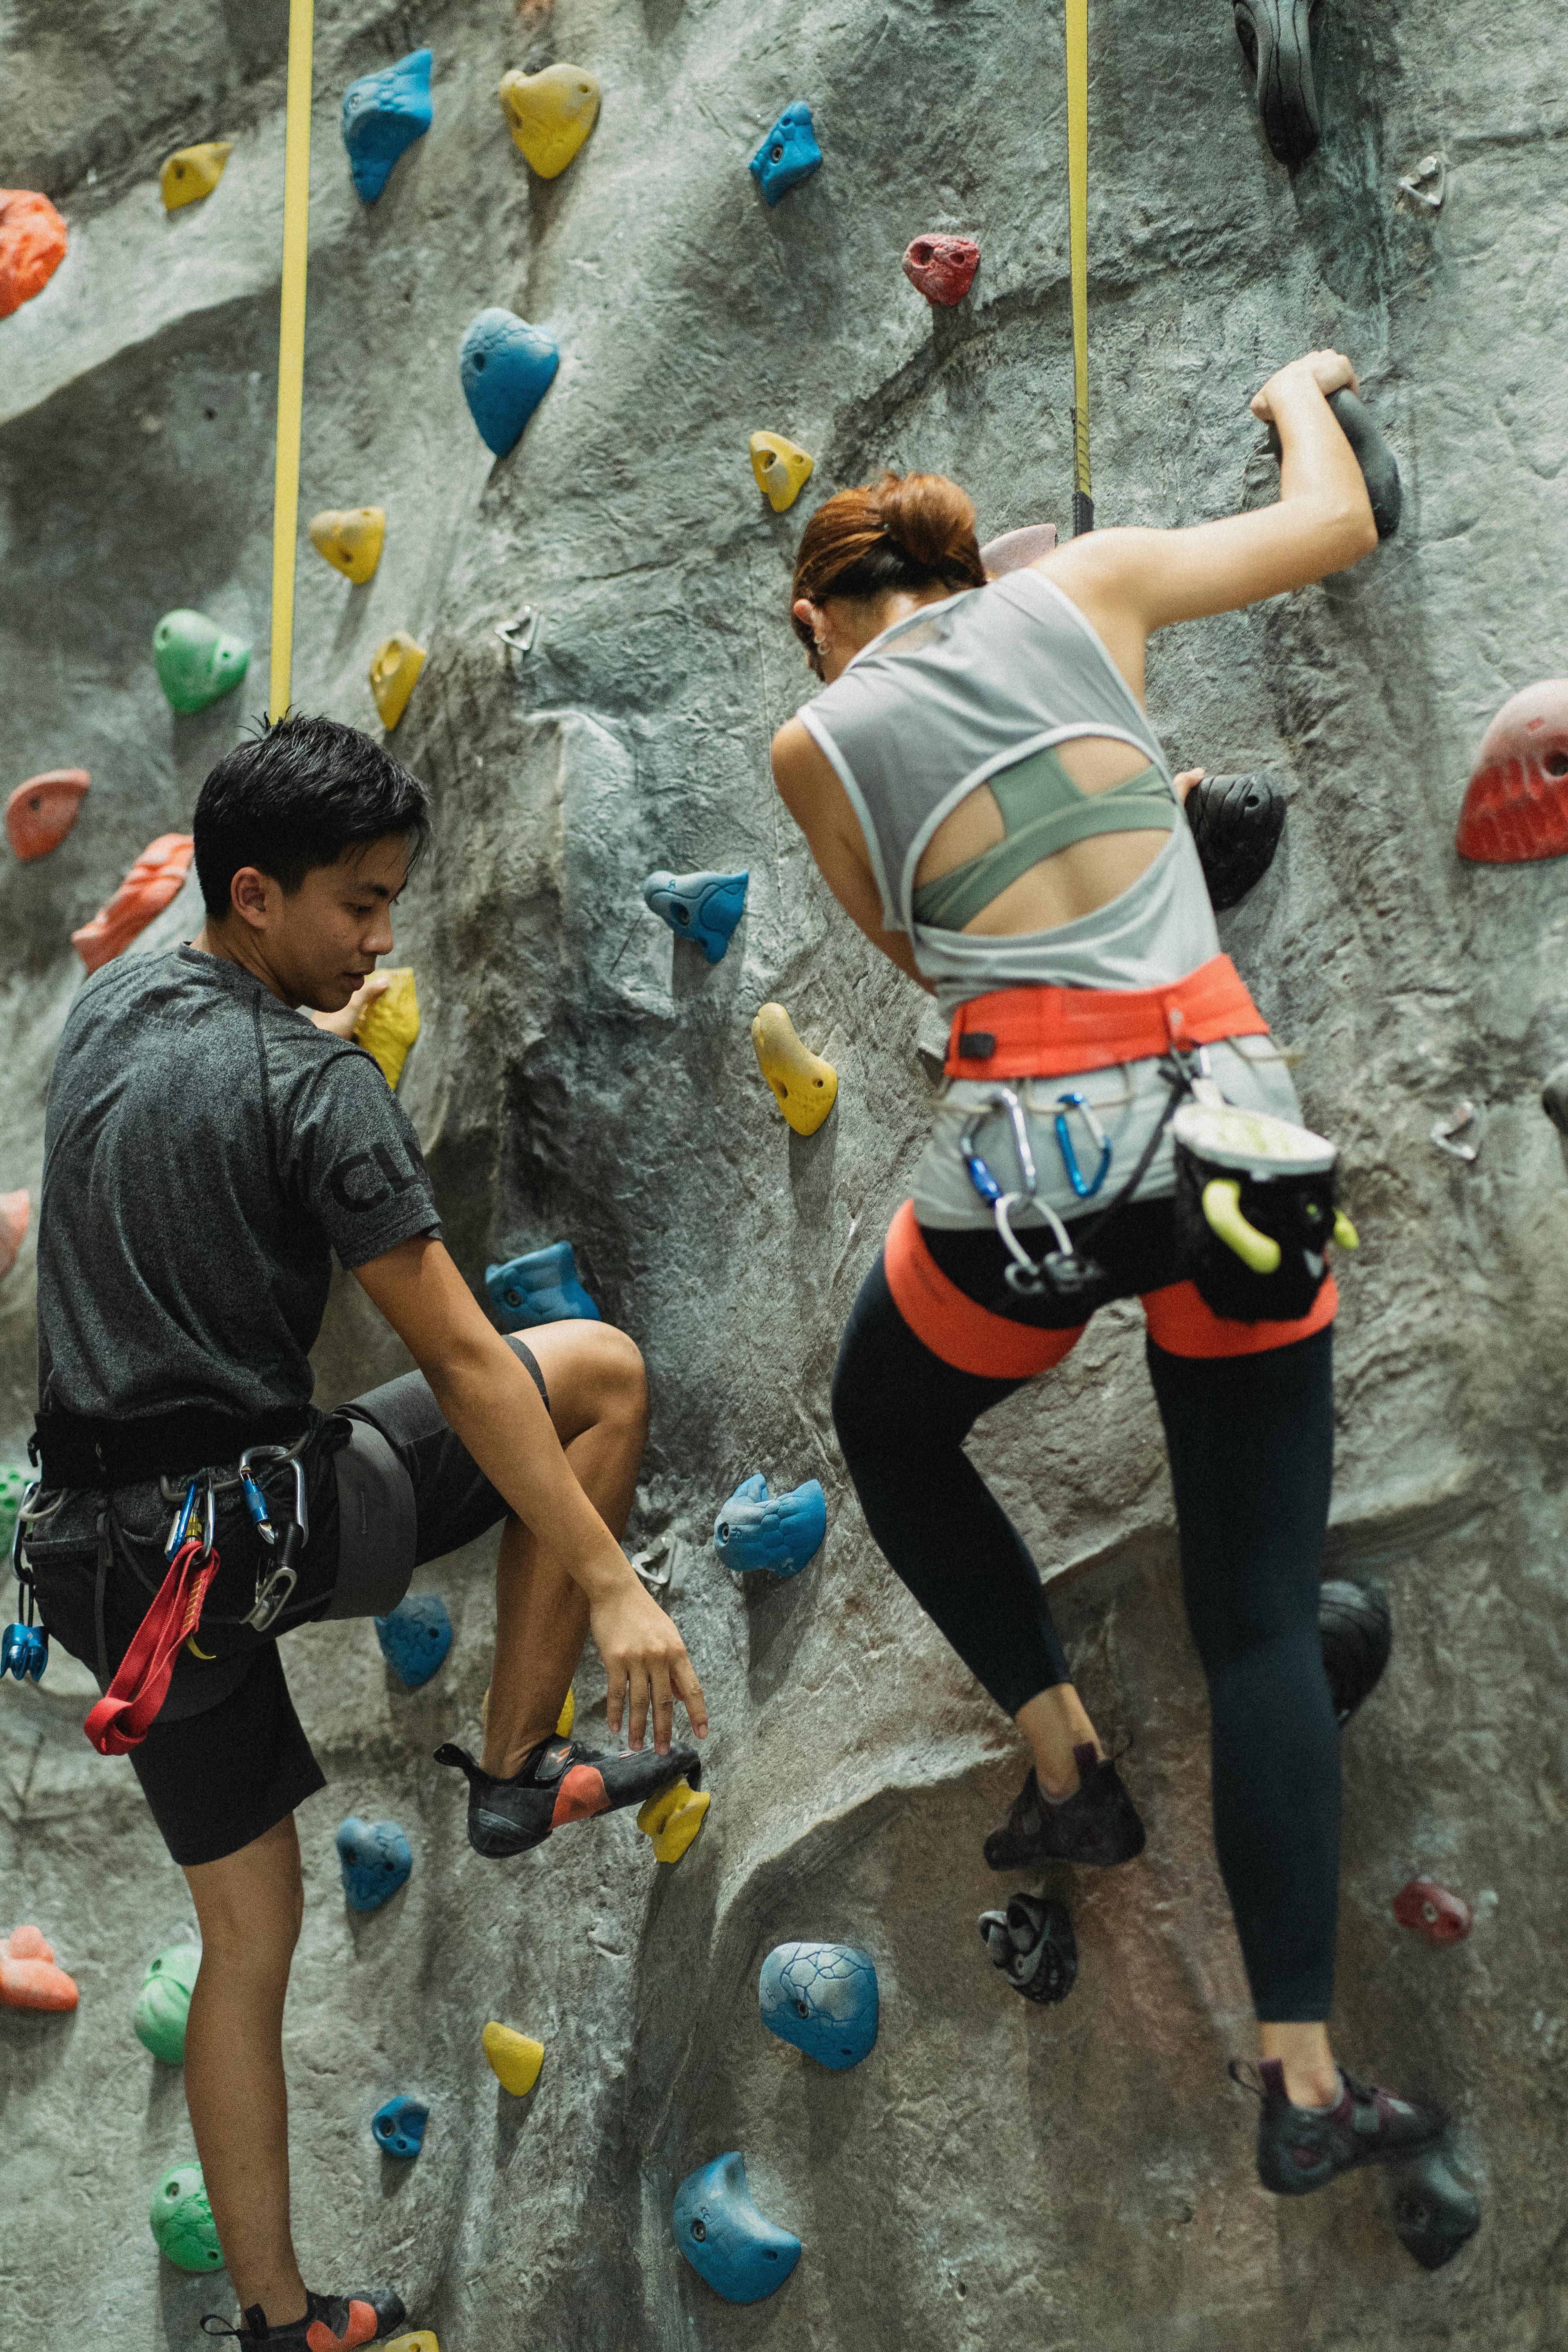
(1255,1211)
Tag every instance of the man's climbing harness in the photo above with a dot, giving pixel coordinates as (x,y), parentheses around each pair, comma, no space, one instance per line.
(290,351)
(1077,240)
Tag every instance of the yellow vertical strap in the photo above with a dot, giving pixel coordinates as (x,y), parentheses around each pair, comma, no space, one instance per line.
(1077,241)
(291,350)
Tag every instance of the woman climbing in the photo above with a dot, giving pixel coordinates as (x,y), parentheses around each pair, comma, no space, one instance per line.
(982,793)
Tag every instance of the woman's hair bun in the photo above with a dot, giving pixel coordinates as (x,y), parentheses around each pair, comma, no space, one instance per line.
(906,531)
(931,519)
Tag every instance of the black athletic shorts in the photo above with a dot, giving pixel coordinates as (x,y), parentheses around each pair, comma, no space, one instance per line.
(389,1487)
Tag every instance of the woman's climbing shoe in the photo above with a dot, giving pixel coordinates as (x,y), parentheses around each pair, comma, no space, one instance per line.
(1302,2148)
(1357,1634)
(560,1781)
(333,2322)
(1098,1823)
(1033,1944)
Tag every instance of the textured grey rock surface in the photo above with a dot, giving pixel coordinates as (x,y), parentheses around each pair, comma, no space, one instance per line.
(992,2174)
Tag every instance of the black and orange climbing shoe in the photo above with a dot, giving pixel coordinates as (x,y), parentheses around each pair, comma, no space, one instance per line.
(557,1782)
(1098,1823)
(333,2322)
(1357,1634)
(1302,2148)
(1033,1944)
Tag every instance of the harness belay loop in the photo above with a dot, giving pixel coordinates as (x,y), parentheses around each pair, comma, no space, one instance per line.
(1255,1209)
(124,1715)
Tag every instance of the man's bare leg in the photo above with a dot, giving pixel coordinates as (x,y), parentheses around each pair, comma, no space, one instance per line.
(249,1906)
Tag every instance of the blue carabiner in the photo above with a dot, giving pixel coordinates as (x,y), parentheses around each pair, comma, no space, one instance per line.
(180,1526)
(256,1502)
(1085,1189)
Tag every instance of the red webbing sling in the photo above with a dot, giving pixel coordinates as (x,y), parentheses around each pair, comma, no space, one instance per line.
(123,1716)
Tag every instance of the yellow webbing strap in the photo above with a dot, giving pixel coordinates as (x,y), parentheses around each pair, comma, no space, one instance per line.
(291,350)
(1077,240)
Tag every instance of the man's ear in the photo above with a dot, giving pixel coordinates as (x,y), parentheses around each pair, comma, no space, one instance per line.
(248,894)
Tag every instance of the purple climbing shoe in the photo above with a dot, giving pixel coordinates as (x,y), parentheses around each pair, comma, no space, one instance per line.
(1302,2148)
(1098,1823)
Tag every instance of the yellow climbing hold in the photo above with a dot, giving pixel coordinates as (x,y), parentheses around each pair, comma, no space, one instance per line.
(390,1023)
(515,2058)
(351,540)
(672,1819)
(567,1716)
(551,114)
(193,172)
(806,1086)
(396,665)
(781,470)
(421,2341)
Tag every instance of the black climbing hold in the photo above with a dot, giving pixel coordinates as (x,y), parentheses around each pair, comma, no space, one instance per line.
(1554,1097)
(1379,466)
(1033,1944)
(1356,1633)
(1276,38)
(1433,2215)
(1236,822)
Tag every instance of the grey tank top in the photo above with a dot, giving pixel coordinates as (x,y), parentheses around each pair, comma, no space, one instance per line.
(949,696)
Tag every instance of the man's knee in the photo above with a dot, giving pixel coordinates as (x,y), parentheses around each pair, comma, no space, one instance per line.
(251,1906)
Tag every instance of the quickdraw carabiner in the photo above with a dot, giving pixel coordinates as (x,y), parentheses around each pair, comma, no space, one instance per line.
(1027,1276)
(272,1591)
(1085,1187)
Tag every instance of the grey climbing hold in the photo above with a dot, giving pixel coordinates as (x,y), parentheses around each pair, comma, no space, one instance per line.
(1458,1131)
(743,2255)
(1554,1098)
(1276,38)
(1433,2217)
(1014,549)
(1033,1944)
(822,1999)
(1427,184)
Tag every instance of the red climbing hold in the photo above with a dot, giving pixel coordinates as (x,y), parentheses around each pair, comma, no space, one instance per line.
(943,267)
(153,881)
(1516,808)
(32,246)
(28,1977)
(14,1210)
(1433,1912)
(40,813)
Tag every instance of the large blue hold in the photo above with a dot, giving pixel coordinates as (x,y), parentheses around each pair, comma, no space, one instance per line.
(399,2126)
(789,154)
(507,367)
(542,1287)
(701,906)
(725,2239)
(415,1637)
(780,1534)
(822,1999)
(384,113)
(374,1858)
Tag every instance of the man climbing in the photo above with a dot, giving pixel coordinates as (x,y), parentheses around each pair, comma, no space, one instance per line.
(207,1151)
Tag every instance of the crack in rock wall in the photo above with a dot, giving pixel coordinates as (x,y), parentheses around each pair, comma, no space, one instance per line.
(1076,2178)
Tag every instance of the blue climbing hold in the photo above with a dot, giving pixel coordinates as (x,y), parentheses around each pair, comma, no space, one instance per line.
(725,2239)
(399,2126)
(23,1651)
(384,113)
(541,1287)
(374,1858)
(701,906)
(507,367)
(789,154)
(780,1534)
(822,1999)
(415,1637)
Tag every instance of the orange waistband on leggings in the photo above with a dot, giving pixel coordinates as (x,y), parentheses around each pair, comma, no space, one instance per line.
(1050,1033)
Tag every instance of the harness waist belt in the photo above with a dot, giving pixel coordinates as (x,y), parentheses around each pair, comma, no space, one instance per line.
(74,1449)
(1052,1033)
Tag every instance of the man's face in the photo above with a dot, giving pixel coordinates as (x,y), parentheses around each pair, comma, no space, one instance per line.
(323,941)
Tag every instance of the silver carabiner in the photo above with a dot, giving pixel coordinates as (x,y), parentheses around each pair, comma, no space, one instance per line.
(272,1591)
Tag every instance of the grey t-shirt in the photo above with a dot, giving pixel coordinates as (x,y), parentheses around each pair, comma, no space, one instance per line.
(206,1150)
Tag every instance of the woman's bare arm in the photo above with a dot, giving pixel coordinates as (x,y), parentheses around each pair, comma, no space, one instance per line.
(820,806)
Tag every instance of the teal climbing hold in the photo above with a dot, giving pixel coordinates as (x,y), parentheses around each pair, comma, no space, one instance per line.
(704,908)
(399,2126)
(198,663)
(382,114)
(779,1533)
(742,2255)
(164,2002)
(415,1637)
(822,1999)
(789,154)
(181,2220)
(374,1858)
(541,1287)
(507,368)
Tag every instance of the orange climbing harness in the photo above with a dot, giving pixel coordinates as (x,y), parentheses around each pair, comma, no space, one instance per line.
(1052,1033)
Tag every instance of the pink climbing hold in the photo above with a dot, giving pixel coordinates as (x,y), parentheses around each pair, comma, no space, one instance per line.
(153,881)
(40,813)
(32,246)
(28,1977)
(1516,806)
(943,267)
(16,1208)
(1433,1912)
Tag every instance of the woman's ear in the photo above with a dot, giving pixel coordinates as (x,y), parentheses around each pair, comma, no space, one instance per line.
(810,616)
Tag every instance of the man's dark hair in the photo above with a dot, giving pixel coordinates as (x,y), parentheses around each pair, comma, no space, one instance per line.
(295,797)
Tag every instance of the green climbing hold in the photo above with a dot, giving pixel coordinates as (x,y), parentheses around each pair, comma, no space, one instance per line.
(198,663)
(14,1485)
(182,2220)
(164,2001)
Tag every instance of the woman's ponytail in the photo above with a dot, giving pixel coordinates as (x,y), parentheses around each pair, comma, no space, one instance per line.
(906,531)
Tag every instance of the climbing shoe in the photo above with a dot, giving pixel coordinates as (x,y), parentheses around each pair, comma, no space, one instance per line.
(333,2322)
(1098,1823)
(560,1781)
(1357,1634)
(1033,1944)
(1302,2148)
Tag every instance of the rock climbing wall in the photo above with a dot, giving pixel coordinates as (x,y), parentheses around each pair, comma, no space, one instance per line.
(994,2174)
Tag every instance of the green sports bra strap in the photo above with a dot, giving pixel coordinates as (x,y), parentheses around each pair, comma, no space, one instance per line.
(1143,803)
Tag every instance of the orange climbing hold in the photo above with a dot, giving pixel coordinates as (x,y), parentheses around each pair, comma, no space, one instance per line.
(32,246)
(152,883)
(40,813)
(28,1977)
(14,1210)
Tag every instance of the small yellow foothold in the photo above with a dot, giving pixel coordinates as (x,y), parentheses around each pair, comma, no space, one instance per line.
(351,540)
(672,1819)
(1345,1233)
(806,1086)
(193,172)
(567,1716)
(396,665)
(515,2058)
(781,470)
(551,114)
(389,1024)
(421,2341)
